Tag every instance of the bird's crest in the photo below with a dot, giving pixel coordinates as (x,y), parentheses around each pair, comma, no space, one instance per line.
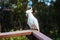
(29,11)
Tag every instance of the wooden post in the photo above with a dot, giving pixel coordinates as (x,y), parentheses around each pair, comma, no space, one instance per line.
(40,36)
(30,37)
(16,33)
(31,34)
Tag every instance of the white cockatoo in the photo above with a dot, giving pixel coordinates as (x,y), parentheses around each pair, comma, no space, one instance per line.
(32,21)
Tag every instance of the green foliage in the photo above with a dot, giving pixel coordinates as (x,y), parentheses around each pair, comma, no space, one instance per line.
(47,16)
(15,38)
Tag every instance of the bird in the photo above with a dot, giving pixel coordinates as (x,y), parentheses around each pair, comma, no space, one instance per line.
(31,20)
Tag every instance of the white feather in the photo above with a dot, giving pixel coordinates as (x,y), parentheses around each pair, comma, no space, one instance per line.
(31,19)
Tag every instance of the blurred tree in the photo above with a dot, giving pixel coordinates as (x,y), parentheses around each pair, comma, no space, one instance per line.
(14,19)
(47,17)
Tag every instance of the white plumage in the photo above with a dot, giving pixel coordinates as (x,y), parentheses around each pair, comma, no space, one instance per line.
(32,21)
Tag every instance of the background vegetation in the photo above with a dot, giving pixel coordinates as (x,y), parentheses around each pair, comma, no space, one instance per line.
(48,17)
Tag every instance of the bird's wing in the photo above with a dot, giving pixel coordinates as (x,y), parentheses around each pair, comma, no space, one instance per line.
(29,22)
(36,23)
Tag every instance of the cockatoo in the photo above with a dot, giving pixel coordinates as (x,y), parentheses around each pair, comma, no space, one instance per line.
(32,21)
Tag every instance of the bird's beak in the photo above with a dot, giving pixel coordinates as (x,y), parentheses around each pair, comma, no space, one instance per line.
(31,10)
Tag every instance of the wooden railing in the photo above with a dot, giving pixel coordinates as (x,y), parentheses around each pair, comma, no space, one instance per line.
(31,34)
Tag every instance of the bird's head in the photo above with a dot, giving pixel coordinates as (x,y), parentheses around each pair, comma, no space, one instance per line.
(28,11)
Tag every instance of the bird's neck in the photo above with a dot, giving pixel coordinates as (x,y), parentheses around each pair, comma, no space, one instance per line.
(30,15)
